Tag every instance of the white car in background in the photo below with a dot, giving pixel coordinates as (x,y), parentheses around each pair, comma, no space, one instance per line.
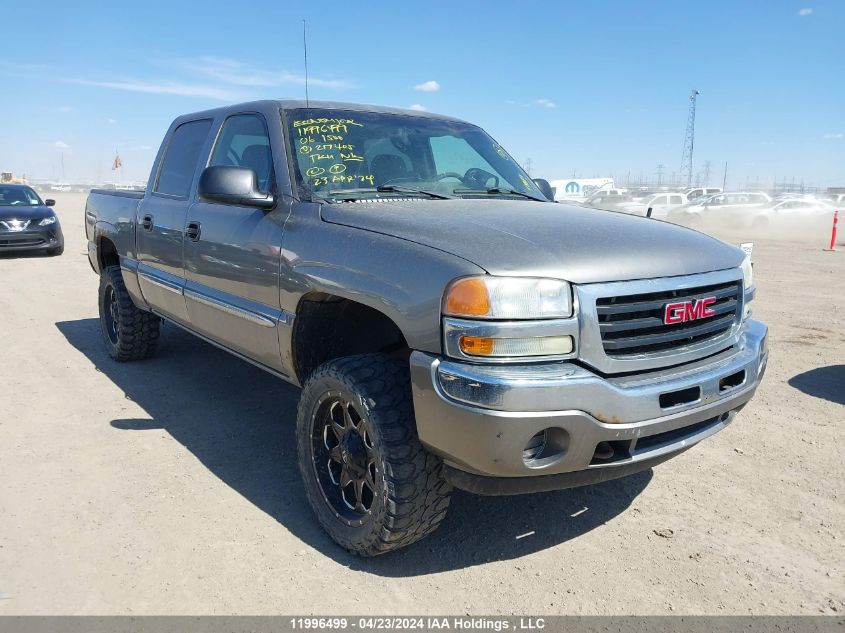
(835,198)
(606,196)
(60,186)
(797,207)
(661,204)
(701,192)
(725,210)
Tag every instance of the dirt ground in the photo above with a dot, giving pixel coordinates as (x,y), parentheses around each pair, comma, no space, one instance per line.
(171,487)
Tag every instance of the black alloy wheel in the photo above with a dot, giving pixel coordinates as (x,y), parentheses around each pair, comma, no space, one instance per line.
(344,459)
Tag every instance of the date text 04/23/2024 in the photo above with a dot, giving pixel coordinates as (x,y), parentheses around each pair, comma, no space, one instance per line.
(418,623)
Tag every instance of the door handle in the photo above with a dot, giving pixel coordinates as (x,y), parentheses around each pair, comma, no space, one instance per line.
(192,231)
(147,222)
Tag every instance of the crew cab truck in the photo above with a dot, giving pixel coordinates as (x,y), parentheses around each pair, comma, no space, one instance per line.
(448,324)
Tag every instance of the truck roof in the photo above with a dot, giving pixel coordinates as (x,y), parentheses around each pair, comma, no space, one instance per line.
(293,104)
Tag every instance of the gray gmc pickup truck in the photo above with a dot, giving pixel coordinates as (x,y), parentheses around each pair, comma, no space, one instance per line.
(448,324)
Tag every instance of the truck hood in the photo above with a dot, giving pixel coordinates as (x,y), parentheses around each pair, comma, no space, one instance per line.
(524,238)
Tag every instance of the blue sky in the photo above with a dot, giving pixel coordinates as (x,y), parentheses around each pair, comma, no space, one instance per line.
(591,88)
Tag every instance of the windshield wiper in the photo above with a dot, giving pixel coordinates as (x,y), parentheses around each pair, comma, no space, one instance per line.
(401,189)
(341,193)
(499,190)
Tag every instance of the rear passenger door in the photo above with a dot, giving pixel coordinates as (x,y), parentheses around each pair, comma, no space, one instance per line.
(233,252)
(161,220)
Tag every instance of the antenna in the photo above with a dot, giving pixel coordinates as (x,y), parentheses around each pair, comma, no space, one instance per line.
(305,54)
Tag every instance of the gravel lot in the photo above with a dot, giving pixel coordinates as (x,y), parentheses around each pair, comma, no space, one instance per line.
(171,487)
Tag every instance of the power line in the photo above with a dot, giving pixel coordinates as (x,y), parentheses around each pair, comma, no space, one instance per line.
(689,140)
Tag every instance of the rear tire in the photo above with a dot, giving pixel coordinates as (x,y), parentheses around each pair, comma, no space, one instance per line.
(128,332)
(372,485)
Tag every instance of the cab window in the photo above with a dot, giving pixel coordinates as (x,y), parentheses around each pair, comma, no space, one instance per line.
(180,159)
(244,142)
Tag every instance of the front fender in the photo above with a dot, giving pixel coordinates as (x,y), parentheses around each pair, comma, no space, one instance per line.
(403,280)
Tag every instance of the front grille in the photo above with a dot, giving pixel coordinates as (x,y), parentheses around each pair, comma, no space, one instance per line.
(23,240)
(633,324)
(651,442)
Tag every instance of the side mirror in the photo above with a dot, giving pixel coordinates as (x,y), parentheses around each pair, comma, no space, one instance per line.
(49,202)
(233,185)
(546,188)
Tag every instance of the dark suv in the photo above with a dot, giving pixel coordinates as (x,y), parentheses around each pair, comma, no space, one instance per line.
(27,223)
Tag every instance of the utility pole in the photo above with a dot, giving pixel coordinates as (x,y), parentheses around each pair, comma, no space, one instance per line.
(689,140)
(706,173)
(660,174)
(528,165)
(725,177)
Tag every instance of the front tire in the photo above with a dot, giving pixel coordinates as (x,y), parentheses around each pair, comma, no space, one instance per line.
(128,332)
(372,485)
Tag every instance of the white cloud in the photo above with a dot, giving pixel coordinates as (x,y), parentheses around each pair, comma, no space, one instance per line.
(61,145)
(111,121)
(805,11)
(17,68)
(417,106)
(165,87)
(428,86)
(230,71)
(293,78)
(837,135)
(537,103)
(64,109)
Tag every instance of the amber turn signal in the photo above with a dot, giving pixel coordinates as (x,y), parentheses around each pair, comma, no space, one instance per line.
(476,345)
(468,297)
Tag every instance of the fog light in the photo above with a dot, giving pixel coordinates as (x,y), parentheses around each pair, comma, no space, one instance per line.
(546,448)
(515,347)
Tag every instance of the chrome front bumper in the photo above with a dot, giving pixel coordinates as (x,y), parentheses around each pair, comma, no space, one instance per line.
(479,418)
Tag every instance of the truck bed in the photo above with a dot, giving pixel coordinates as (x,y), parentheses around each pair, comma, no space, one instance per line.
(114,208)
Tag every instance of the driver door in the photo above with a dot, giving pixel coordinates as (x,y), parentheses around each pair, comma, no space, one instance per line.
(233,252)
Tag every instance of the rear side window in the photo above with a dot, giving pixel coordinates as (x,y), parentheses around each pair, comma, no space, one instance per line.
(244,142)
(180,158)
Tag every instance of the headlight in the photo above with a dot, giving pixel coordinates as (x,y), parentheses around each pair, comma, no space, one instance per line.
(747,282)
(47,221)
(747,273)
(508,298)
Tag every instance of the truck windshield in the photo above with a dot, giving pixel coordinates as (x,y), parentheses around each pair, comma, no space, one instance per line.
(347,154)
(18,196)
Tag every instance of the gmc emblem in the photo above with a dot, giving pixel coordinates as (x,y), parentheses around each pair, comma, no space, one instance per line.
(684,311)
